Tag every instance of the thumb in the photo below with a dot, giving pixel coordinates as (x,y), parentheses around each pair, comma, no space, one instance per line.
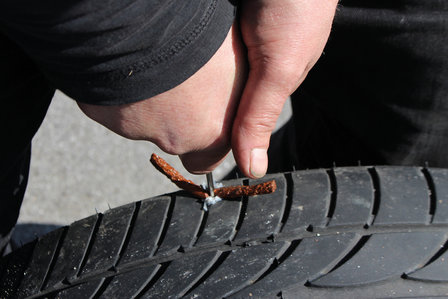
(261,104)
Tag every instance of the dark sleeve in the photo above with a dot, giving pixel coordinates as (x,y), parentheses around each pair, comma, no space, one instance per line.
(110,52)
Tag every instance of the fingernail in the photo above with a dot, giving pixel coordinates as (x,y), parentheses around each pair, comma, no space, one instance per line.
(258,162)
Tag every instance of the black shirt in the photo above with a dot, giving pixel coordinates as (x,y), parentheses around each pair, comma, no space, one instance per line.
(112,52)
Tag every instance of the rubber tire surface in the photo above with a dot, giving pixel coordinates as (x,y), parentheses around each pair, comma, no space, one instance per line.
(355,232)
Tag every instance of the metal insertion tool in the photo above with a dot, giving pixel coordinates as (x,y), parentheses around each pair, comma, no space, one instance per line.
(210,184)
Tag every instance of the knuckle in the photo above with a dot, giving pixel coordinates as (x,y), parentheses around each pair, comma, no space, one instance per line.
(283,76)
(180,143)
(170,148)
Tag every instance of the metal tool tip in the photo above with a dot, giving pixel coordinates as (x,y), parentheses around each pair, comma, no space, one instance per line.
(210,184)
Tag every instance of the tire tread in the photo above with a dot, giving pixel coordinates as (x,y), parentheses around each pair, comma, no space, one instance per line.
(391,221)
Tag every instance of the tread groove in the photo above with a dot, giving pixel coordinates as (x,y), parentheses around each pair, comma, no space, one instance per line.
(54,258)
(166,223)
(201,227)
(289,199)
(90,244)
(376,195)
(242,214)
(333,195)
(363,240)
(438,254)
(209,272)
(432,193)
(129,231)
(163,267)
(103,287)
(277,262)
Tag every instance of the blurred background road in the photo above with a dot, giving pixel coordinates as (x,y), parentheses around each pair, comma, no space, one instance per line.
(79,167)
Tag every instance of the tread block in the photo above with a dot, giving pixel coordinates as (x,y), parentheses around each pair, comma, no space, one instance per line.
(241,268)
(355,197)
(183,227)
(181,275)
(73,248)
(382,257)
(147,229)
(436,271)
(311,199)
(16,263)
(264,212)
(404,196)
(312,257)
(221,220)
(440,179)
(109,239)
(34,275)
(221,223)
(84,290)
(130,284)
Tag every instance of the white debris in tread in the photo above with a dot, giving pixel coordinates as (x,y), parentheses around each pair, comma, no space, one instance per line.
(209,201)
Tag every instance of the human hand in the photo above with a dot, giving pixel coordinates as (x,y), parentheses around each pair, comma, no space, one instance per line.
(284,39)
(192,120)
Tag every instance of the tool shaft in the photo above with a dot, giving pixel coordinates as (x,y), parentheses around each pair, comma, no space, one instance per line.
(210,184)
